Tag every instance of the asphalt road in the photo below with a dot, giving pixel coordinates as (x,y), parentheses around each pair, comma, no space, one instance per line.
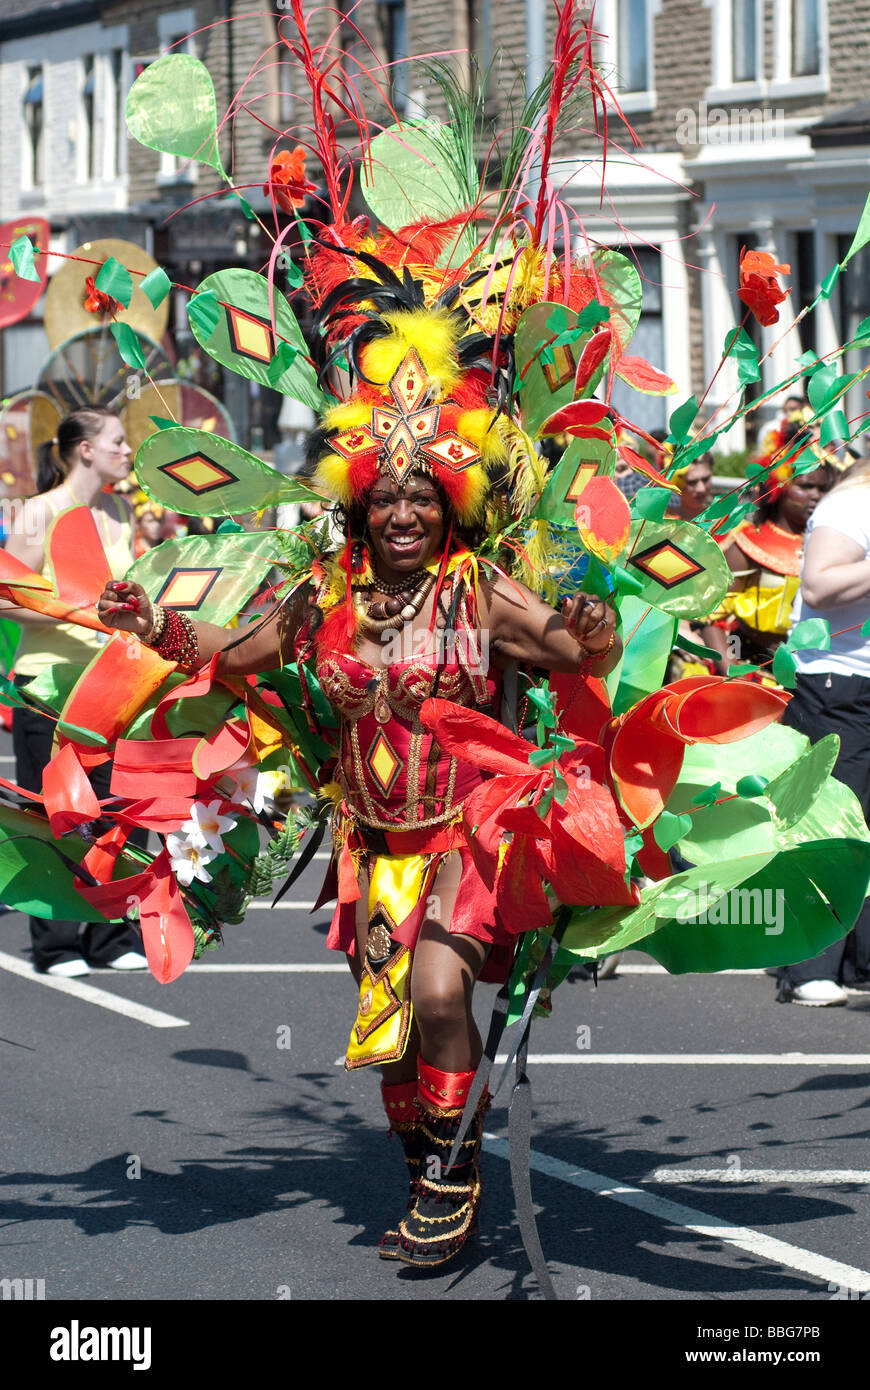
(208,1160)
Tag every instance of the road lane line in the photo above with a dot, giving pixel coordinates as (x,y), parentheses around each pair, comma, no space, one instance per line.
(689,1059)
(796,1177)
(155,1018)
(700,1059)
(326,968)
(688,1218)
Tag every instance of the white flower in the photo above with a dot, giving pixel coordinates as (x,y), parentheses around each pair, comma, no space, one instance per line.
(251,787)
(188,860)
(207,825)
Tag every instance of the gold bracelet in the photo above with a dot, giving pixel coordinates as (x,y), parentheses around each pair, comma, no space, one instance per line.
(598,656)
(157,625)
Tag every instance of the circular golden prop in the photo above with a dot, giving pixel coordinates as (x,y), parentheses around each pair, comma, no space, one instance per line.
(44,420)
(27,420)
(65,312)
(182,401)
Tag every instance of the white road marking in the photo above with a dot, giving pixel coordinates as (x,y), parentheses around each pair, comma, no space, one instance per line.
(688,1218)
(155,1018)
(326,968)
(795,1177)
(285,907)
(700,1059)
(689,1059)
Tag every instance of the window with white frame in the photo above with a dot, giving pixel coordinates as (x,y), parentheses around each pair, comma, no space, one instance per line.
(116,84)
(745,45)
(394,26)
(627,50)
(88,170)
(737,49)
(34,122)
(632,46)
(806,38)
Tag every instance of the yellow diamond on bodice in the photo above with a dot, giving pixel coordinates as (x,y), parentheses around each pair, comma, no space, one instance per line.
(383,762)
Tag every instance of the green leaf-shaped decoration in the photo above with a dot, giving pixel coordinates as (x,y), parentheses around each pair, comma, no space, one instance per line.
(544,387)
(416,171)
(812,633)
(617,285)
(128,344)
(794,792)
(668,829)
(156,286)
(751,785)
(197,473)
(784,667)
(652,502)
(232,567)
(21,256)
(740,347)
(171,107)
(681,420)
(242,338)
(681,569)
(203,312)
(115,279)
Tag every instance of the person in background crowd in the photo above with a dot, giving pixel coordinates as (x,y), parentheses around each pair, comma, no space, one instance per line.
(91,452)
(765,554)
(832,695)
(695,482)
(150,526)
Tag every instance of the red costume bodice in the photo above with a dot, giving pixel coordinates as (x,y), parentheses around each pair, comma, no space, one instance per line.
(393,773)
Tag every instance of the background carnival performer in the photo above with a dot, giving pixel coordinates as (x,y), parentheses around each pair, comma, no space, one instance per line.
(833,696)
(89,453)
(765,558)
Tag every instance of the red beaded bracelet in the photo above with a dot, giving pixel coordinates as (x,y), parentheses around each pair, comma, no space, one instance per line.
(178,641)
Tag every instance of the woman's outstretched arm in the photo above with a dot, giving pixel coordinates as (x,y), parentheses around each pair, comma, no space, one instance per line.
(522,627)
(260,646)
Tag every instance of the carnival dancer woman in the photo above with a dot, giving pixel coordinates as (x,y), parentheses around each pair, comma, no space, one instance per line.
(422,915)
(765,558)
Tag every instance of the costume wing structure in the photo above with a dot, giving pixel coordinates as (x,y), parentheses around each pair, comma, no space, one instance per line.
(253,331)
(779,849)
(77,572)
(198,473)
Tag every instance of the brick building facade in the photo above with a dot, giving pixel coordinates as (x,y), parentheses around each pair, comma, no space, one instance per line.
(749,112)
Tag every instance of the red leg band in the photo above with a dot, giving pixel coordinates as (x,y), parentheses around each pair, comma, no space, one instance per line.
(443,1090)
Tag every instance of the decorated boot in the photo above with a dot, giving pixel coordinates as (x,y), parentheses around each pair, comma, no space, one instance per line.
(400,1103)
(444,1212)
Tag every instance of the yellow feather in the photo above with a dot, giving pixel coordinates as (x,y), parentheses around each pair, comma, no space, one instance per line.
(528,470)
(474,425)
(347,416)
(433,335)
(332,477)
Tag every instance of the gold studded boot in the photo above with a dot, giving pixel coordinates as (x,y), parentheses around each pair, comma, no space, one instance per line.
(400,1103)
(444,1212)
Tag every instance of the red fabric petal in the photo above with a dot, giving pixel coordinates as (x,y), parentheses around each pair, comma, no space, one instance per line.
(522,902)
(70,800)
(163,921)
(476,738)
(142,766)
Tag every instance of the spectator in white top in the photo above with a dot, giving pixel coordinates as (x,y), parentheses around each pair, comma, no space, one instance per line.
(833,696)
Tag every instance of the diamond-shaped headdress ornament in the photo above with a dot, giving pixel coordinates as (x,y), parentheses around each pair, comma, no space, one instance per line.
(408,435)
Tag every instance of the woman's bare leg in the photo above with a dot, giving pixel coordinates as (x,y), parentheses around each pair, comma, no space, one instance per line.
(446,965)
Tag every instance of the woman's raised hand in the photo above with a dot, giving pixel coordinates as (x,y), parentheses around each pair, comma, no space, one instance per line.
(126,606)
(590,621)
